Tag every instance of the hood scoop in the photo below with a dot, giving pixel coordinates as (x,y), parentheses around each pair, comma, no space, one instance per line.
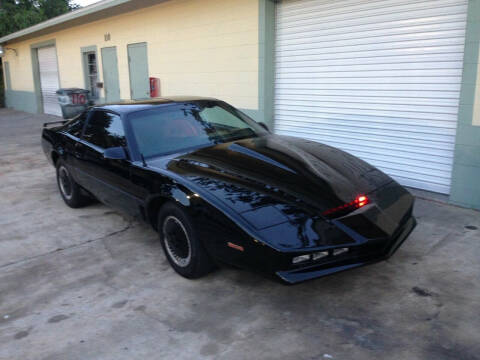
(253,154)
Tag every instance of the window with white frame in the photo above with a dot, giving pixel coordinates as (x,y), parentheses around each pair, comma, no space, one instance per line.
(90,59)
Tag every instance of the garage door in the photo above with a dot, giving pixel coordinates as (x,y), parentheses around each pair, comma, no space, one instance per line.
(47,61)
(379,79)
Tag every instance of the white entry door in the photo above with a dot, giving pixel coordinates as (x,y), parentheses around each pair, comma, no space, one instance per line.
(47,61)
(377,78)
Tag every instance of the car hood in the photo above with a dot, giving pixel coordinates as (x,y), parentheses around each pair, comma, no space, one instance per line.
(276,170)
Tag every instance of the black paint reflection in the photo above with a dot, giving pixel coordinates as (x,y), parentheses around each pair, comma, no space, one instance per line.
(297,179)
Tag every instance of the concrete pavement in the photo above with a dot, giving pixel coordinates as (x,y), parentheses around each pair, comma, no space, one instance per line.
(94,284)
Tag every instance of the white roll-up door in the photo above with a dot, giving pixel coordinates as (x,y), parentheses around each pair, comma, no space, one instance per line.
(47,61)
(379,79)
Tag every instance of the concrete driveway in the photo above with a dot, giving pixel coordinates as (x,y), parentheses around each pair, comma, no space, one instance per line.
(93,284)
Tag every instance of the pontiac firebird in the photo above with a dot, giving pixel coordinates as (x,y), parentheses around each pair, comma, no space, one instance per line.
(220,188)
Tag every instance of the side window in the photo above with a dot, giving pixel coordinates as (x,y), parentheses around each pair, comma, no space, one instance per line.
(218,116)
(105,130)
(90,62)
(75,126)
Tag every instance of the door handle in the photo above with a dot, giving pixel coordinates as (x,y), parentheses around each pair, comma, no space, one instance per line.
(77,150)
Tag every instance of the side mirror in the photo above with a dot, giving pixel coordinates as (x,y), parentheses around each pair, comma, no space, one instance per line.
(115,153)
(262,124)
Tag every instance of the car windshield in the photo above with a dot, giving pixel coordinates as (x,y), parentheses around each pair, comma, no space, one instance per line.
(174,128)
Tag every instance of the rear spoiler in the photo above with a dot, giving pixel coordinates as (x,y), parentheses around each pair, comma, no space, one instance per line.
(54,122)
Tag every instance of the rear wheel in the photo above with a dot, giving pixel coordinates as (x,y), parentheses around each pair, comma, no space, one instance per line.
(69,189)
(183,249)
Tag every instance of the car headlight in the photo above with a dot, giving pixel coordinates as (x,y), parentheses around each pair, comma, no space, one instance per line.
(318,255)
(339,251)
(300,259)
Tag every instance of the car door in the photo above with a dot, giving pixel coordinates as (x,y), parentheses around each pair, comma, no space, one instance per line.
(106,179)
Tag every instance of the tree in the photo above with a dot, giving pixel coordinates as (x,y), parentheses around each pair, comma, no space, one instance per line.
(52,8)
(19,14)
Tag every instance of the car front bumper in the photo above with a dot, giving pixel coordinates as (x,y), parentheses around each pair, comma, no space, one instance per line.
(350,261)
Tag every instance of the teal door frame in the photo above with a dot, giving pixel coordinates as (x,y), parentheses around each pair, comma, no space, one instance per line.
(138,71)
(110,74)
(8,81)
(83,52)
(36,71)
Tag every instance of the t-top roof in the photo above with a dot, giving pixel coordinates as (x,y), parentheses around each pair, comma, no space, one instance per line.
(135,105)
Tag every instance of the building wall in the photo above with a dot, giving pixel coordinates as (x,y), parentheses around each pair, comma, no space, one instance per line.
(224,49)
(466,168)
(195,47)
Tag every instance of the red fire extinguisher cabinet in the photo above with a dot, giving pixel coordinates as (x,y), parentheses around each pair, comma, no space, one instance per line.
(154,87)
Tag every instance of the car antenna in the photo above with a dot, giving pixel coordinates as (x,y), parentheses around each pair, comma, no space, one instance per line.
(143,160)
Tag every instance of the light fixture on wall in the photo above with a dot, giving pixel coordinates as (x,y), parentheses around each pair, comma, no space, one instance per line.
(3,50)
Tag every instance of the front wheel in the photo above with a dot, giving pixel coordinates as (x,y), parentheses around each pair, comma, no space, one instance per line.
(183,249)
(69,189)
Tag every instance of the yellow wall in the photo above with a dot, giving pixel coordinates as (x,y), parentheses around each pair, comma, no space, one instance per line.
(195,47)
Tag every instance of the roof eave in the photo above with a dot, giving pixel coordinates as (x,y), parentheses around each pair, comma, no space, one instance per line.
(94,12)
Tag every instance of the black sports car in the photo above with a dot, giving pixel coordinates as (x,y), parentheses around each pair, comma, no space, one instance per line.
(220,188)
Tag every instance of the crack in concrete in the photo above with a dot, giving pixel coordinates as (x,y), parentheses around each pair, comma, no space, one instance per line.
(113,233)
(442,242)
(445,240)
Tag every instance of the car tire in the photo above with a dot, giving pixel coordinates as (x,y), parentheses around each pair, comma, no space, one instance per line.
(182,247)
(69,190)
